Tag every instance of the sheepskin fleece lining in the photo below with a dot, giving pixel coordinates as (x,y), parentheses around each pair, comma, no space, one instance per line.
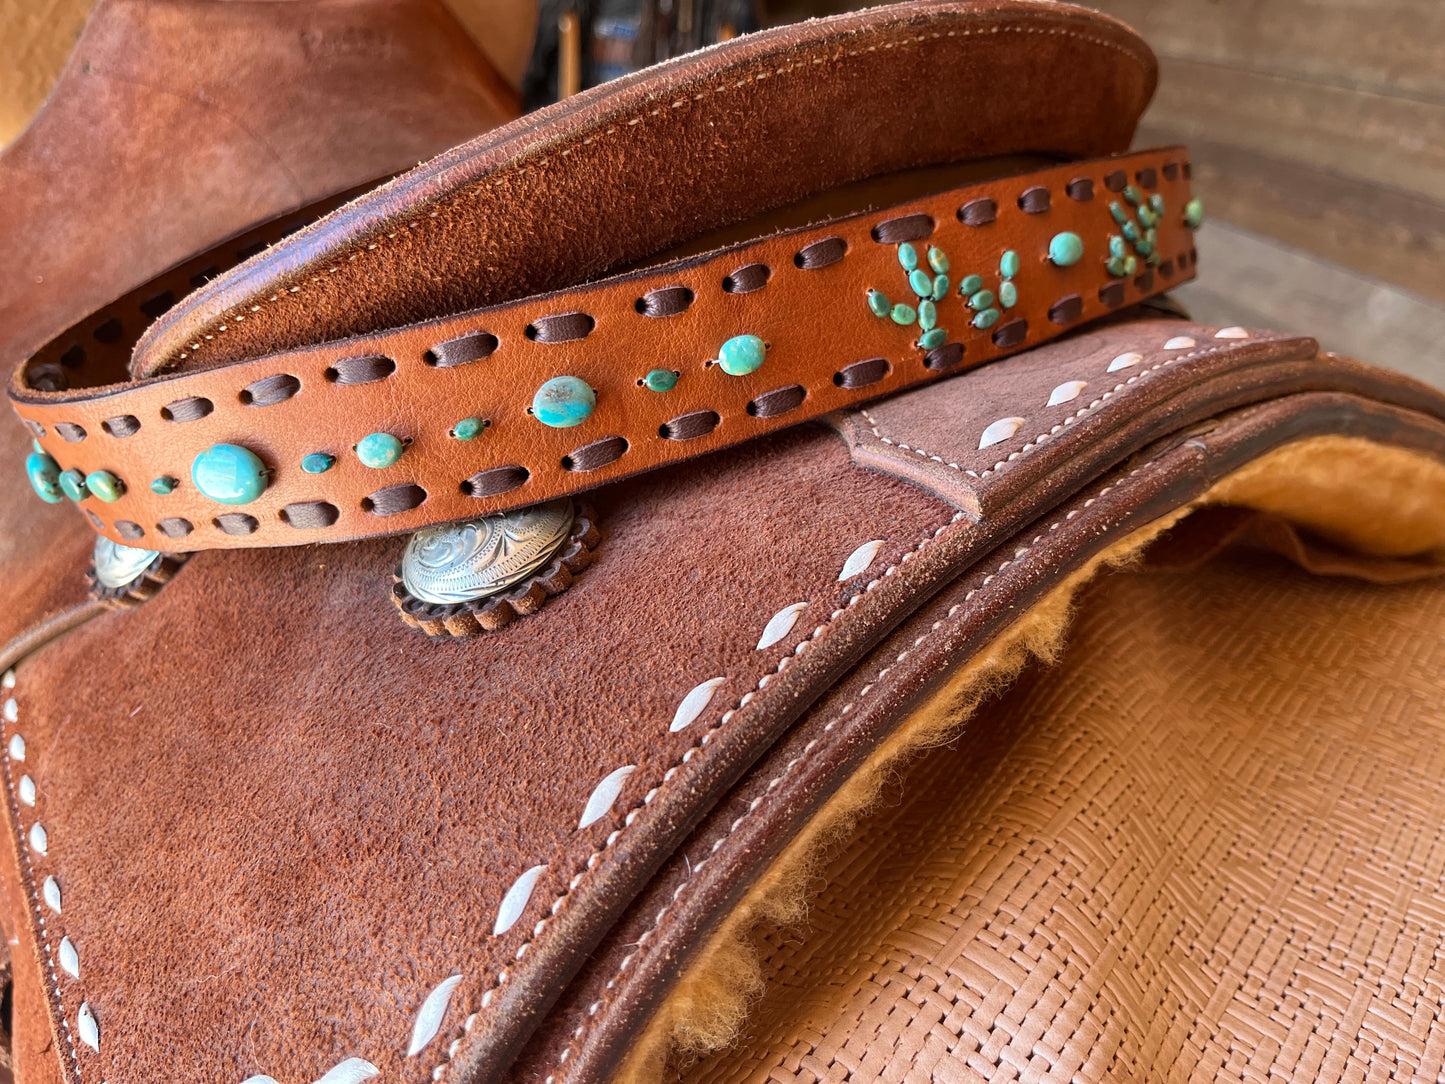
(1379,500)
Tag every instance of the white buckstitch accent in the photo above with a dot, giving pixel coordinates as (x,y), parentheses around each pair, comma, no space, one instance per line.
(859,560)
(26,790)
(788,768)
(599,804)
(429,1017)
(780,624)
(515,900)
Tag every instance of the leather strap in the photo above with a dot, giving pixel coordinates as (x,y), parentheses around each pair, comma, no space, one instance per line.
(811,295)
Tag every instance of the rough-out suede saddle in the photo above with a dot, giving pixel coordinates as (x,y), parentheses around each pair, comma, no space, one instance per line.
(740,575)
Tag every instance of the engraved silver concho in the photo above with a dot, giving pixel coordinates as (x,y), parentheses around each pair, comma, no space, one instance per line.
(462,562)
(117,565)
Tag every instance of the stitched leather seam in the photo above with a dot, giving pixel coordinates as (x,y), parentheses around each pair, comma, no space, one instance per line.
(1042,438)
(592,861)
(773,784)
(718,87)
(27,876)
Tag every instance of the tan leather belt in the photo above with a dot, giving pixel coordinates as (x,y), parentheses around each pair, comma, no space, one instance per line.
(547,396)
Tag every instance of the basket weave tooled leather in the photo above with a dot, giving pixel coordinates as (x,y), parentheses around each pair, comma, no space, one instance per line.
(260,830)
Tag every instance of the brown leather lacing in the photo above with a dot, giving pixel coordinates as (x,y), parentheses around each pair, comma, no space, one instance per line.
(391,500)
(821,254)
(561,328)
(1081,189)
(306,514)
(1066,309)
(362,370)
(779,401)
(597,454)
(744,280)
(270,389)
(489,483)
(191,409)
(904,228)
(687,426)
(861,373)
(123,425)
(665,301)
(1035,200)
(978,212)
(462,350)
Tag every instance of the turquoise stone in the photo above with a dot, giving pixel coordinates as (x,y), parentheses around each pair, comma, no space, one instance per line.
(929,339)
(379,450)
(1151,235)
(1008,264)
(1147,217)
(104,485)
(878,303)
(229,474)
(163,485)
(72,484)
(981,300)
(1066,249)
(1132,195)
(1130,265)
(1117,246)
(1156,203)
(907,256)
(904,314)
(44,475)
(565,401)
(937,260)
(987,318)
(1117,210)
(1115,266)
(1131,230)
(971,285)
(1154,259)
(927,315)
(657,380)
(1008,295)
(1143,248)
(921,282)
(1194,213)
(740,355)
(471,428)
(940,287)
(318,463)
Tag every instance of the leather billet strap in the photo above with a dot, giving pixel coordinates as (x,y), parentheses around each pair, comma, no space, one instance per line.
(665,352)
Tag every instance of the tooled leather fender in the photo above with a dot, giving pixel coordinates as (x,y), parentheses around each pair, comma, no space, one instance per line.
(311,846)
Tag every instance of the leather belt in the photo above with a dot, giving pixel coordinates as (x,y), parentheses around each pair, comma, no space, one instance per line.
(550,395)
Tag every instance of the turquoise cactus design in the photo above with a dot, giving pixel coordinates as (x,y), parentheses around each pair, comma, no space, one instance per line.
(1138,220)
(929,286)
(988,305)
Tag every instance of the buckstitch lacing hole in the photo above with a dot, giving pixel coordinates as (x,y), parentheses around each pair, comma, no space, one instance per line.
(664,301)
(561,327)
(462,350)
(746,279)
(187,410)
(362,370)
(269,390)
(821,254)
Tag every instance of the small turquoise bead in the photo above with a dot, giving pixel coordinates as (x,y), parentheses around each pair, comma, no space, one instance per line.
(379,450)
(907,256)
(104,485)
(44,475)
(1117,246)
(471,428)
(1066,249)
(1132,195)
(1143,248)
(1115,266)
(971,285)
(740,355)
(229,474)
(930,339)
(940,287)
(1008,264)
(1151,235)
(1008,295)
(1154,259)
(878,303)
(981,300)
(1130,265)
(658,380)
(318,463)
(904,314)
(1131,231)
(937,260)
(163,485)
(927,315)
(72,484)
(1194,213)
(565,401)
(921,282)
(1156,203)
(986,319)
(1118,211)
(1147,217)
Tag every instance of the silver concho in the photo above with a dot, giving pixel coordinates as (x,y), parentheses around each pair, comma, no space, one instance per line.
(465,561)
(117,565)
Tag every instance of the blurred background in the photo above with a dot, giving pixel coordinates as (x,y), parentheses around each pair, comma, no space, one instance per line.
(1317,126)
